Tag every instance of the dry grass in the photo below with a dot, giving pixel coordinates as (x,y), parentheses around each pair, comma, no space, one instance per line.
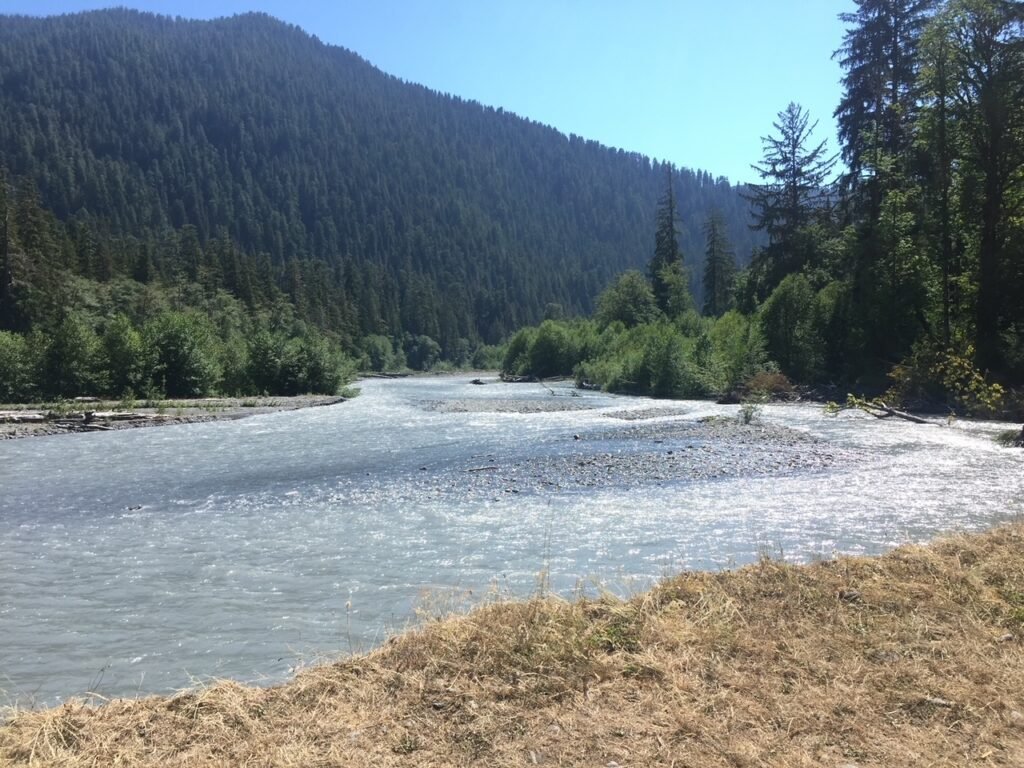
(914,658)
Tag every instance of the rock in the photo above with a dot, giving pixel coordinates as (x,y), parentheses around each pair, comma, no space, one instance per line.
(478,382)
(850,595)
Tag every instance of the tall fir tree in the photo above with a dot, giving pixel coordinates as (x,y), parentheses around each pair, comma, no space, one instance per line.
(988,43)
(880,98)
(666,266)
(795,180)
(719,267)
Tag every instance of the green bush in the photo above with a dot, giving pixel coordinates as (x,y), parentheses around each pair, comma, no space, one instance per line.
(629,300)
(126,359)
(738,350)
(646,360)
(16,368)
(379,354)
(184,355)
(517,360)
(72,360)
(788,321)
(421,352)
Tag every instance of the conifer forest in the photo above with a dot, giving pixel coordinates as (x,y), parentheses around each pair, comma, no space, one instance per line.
(231,206)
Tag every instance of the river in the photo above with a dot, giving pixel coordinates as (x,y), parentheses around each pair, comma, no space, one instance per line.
(146,560)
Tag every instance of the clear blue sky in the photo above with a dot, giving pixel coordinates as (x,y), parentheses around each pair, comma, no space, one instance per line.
(695,82)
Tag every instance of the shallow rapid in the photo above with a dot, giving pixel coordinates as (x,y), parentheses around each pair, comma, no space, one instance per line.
(145,560)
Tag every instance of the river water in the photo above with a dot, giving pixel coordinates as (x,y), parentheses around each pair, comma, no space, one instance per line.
(146,560)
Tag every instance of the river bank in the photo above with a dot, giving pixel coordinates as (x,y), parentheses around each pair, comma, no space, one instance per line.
(911,658)
(94,415)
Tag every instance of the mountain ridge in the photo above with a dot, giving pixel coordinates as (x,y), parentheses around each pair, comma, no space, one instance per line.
(248,125)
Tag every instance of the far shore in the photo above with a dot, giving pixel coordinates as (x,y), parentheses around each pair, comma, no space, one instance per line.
(96,415)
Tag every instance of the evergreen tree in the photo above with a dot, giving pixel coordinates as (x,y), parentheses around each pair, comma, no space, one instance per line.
(719,267)
(6,278)
(880,89)
(665,268)
(988,43)
(794,190)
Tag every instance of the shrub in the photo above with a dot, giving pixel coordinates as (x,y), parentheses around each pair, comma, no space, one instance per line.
(629,300)
(768,385)
(126,358)
(16,364)
(183,351)
(791,333)
(516,361)
(738,349)
(934,373)
(72,363)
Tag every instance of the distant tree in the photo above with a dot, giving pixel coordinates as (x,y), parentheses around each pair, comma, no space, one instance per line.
(126,359)
(71,361)
(6,277)
(719,267)
(184,364)
(666,267)
(16,374)
(794,188)
(629,300)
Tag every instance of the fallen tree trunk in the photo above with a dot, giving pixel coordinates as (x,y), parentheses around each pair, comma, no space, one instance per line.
(876,408)
(880,410)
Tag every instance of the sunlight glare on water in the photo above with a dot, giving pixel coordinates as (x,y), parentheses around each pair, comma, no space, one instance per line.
(144,560)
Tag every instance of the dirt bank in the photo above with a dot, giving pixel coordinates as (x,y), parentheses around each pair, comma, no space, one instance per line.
(913,658)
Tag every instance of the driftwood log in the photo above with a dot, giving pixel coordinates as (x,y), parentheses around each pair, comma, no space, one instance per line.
(880,410)
(876,408)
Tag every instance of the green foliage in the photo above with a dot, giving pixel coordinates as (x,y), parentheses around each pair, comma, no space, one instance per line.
(738,350)
(791,334)
(17,377)
(72,360)
(421,352)
(719,267)
(948,376)
(380,355)
(517,354)
(183,360)
(654,359)
(628,300)
(312,365)
(126,358)
(750,412)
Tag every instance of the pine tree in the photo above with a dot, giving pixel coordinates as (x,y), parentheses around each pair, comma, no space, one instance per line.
(6,277)
(719,267)
(795,180)
(666,266)
(881,90)
(988,40)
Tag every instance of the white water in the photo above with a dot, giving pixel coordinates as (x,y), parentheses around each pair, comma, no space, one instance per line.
(144,560)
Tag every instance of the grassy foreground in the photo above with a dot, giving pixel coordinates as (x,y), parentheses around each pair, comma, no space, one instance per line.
(913,658)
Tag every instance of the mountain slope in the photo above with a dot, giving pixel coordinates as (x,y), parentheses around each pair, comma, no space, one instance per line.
(250,127)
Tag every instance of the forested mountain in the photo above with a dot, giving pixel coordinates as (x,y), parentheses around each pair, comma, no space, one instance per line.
(383,207)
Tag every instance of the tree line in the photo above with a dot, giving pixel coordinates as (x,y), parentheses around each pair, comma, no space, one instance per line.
(392,210)
(902,273)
